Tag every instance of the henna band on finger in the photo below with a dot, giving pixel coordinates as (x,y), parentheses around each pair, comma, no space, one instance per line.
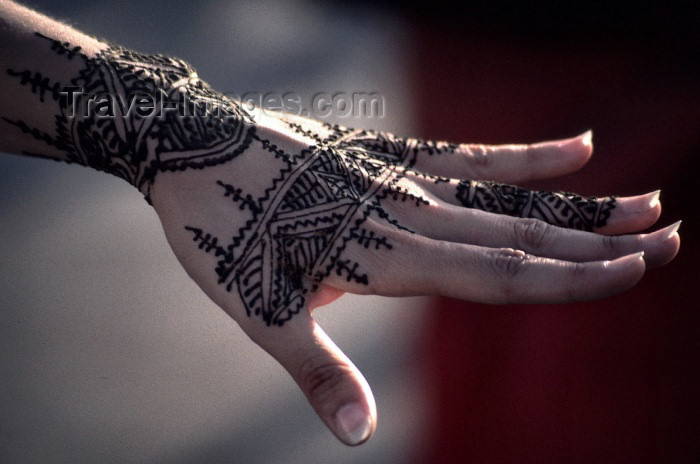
(557,208)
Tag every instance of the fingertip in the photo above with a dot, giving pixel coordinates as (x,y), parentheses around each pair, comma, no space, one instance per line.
(354,424)
(336,389)
(617,275)
(632,214)
(628,270)
(673,244)
(633,259)
(585,147)
(653,198)
(664,245)
(587,139)
(581,146)
(672,230)
(653,211)
(356,421)
(332,384)
(574,152)
(669,247)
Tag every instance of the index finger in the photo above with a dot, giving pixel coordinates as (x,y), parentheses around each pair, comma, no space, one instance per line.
(504,163)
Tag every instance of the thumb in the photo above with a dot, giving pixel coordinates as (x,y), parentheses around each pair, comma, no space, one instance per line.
(335,388)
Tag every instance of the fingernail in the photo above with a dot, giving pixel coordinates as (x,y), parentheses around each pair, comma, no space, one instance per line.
(623,261)
(672,229)
(640,203)
(354,423)
(653,198)
(633,257)
(587,138)
(584,139)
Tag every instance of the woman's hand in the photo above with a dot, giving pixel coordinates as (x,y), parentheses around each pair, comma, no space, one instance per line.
(275,215)
(308,211)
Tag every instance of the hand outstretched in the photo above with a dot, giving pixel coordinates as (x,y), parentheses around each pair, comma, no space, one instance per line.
(308,211)
(274,215)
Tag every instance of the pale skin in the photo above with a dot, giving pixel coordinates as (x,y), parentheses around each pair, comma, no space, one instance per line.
(290,213)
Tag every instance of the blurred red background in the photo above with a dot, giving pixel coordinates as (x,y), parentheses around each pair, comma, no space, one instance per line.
(607,381)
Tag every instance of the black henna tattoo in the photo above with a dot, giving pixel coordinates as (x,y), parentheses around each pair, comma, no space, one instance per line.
(193,127)
(300,227)
(297,227)
(557,208)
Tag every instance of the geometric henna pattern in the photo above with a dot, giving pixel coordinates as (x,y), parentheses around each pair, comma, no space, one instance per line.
(138,144)
(298,226)
(302,224)
(557,208)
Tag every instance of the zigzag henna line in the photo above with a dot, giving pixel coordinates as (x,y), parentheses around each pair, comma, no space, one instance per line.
(307,133)
(272,148)
(350,268)
(558,208)
(367,238)
(239,238)
(435,148)
(236,195)
(37,134)
(207,242)
(38,83)
(62,48)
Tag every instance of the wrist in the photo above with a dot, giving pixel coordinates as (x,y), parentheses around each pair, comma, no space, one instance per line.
(134,115)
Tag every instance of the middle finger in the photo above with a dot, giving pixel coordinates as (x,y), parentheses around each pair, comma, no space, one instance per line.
(537,237)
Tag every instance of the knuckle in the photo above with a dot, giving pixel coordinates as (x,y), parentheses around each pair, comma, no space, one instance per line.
(531,234)
(577,271)
(507,262)
(577,274)
(321,377)
(609,243)
(479,157)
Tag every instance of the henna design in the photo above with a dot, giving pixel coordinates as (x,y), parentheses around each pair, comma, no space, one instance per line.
(296,228)
(39,84)
(557,208)
(301,225)
(194,126)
